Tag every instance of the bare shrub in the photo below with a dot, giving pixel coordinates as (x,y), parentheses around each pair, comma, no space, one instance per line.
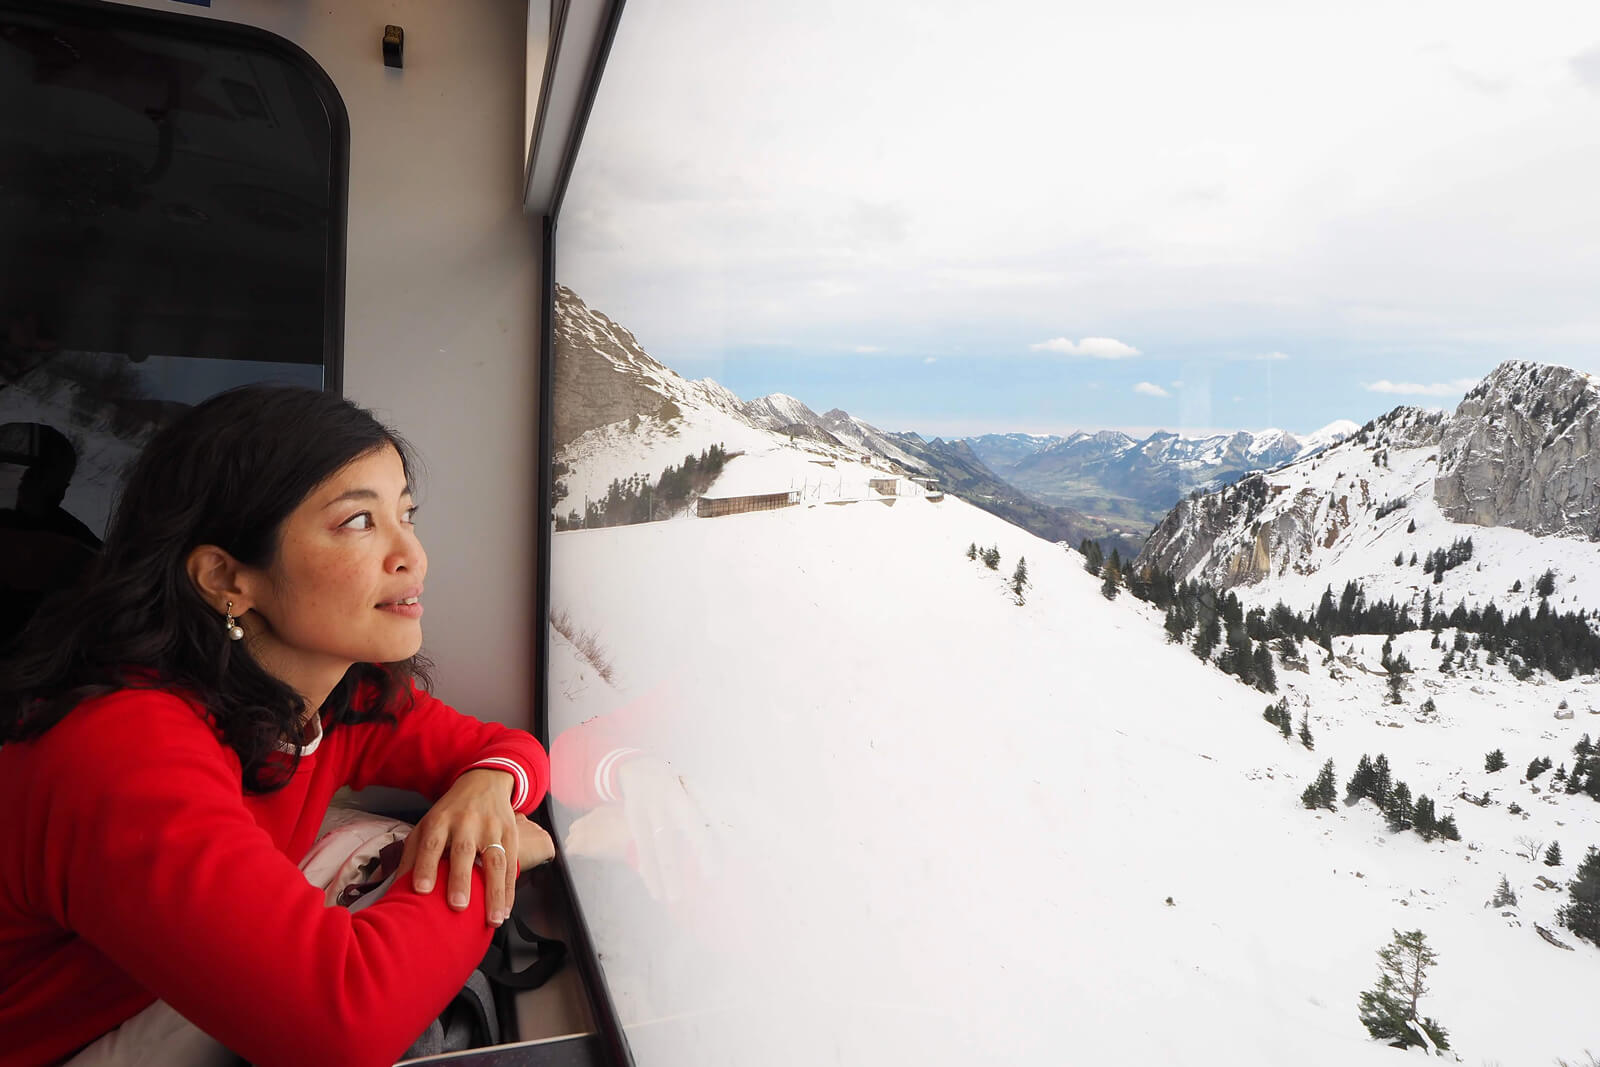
(587,644)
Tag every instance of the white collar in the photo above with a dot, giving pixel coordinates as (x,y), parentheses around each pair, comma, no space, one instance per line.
(307,747)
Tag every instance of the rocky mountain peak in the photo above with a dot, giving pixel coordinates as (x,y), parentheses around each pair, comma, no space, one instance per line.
(1519,451)
(602,372)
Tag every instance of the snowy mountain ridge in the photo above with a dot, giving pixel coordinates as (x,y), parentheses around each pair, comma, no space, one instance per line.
(1514,453)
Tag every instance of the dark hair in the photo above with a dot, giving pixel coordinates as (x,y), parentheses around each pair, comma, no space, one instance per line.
(227,472)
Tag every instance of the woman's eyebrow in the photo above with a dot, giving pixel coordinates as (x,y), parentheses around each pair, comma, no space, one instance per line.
(364,494)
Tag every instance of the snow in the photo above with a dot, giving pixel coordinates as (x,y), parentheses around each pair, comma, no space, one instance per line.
(938,826)
(1330,434)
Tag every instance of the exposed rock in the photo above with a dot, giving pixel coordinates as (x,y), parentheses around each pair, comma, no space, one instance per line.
(603,375)
(1552,938)
(1519,452)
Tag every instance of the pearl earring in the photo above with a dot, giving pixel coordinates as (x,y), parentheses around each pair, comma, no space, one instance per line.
(234,631)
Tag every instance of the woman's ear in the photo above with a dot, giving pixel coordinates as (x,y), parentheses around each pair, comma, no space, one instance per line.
(217,576)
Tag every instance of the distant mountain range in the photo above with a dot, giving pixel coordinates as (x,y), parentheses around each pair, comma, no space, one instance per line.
(1125,485)
(621,412)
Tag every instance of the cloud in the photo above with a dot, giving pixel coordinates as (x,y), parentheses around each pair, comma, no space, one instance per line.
(1150,389)
(1383,385)
(1586,67)
(1272,357)
(1093,347)
(930,359)
(867,349)
(1177,385)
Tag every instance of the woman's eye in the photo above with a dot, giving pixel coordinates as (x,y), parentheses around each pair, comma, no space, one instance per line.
(360,521)
(411,515)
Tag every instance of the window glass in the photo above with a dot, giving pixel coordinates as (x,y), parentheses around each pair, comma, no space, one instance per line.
(945,401)
(171,207)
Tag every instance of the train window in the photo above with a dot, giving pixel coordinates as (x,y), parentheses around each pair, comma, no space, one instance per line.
(948,664)
(172,196)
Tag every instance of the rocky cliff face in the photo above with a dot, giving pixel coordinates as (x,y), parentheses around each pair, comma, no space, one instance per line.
(602,374)
(1519,452)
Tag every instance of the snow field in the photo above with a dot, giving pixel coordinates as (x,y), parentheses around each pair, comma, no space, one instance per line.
(946,825)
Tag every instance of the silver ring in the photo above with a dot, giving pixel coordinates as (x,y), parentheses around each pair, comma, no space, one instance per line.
(497,845)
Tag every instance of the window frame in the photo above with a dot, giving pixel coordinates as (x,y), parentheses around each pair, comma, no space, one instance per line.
(107,16)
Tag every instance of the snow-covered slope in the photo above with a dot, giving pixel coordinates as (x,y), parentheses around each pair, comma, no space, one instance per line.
(622,413)
(932,825)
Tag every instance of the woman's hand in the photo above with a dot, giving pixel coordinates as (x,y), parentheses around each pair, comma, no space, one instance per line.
(473,816)
(534,845)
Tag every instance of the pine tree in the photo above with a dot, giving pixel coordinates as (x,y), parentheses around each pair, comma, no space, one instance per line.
(1398,811)
(1305,731)
(1382,781)
(1322,792)
(1447,828)
(1266,675)
(1019,577)
(1423,820)
(1504,896)
(1092,559)
(1361,782)
(1394,683)
(972,550)
(1285,722)
(1108,588)
(1411,527)
(1389,1011)
(1175,624)
(1581,914)
(1546,583)
(1552,855)
(1494,761)
(1399,559)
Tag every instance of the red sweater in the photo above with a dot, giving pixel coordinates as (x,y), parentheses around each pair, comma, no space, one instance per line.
(133,867)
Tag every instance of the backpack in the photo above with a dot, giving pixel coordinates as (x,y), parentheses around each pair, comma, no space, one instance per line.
(356,858)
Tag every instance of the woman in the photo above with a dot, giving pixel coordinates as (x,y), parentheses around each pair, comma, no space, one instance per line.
(246,644)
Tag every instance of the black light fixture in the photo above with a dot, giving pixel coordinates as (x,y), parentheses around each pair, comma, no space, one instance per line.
(394,47)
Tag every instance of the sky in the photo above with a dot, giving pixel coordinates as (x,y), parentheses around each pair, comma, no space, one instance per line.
(1041,217)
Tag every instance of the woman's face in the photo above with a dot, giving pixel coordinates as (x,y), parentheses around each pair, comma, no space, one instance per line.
(346,585)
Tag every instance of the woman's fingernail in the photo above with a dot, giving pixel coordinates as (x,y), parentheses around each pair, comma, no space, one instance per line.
(458,900)
(424,886)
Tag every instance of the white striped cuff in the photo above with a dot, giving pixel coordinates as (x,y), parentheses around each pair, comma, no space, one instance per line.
(519,795)
(604,787)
